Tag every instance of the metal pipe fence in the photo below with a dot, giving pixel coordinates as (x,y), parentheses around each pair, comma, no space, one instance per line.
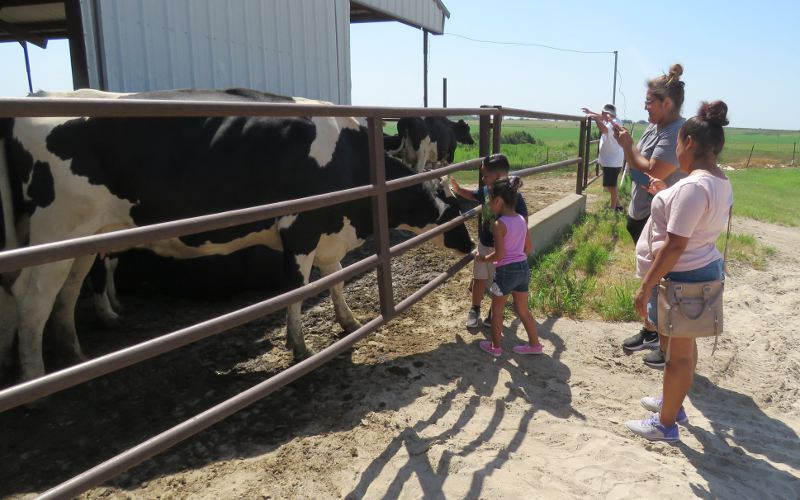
(490,123)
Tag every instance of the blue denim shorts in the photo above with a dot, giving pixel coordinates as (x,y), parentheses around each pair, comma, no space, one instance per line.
(709,272)
(513,277)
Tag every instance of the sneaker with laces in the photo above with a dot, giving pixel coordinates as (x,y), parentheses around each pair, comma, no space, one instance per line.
(655,359)
(487,346)
(645,339)
(654,404)
(472,318)
(652,429)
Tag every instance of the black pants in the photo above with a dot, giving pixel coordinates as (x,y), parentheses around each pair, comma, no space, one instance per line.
(635,227)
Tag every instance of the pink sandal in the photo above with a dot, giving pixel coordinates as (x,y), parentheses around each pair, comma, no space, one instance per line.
(486,346)
(528,349)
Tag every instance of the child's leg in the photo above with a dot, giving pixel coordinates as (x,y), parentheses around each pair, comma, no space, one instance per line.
(521,306)
(478,289)
(498,303)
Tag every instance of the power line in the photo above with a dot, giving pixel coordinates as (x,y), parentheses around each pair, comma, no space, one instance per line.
(528,44)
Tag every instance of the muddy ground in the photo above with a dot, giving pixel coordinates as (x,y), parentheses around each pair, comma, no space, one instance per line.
(78,428)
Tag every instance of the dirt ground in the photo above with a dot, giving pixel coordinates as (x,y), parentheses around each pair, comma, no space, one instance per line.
(417,410)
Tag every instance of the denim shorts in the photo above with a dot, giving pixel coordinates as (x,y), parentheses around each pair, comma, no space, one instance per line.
(513,277)
(709,272)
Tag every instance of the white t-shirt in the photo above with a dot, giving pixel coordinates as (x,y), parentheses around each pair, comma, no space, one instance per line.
(696,207)
(610,153)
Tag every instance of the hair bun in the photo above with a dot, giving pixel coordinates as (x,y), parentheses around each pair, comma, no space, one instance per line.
(514,182)
(715,113)
(675,71)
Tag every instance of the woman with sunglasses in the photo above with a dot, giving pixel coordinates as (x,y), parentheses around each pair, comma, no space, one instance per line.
(653,157)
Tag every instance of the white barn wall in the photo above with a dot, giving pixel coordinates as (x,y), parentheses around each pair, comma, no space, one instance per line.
(290,47)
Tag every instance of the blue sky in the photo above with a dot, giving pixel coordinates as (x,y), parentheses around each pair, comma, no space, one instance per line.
(742,52)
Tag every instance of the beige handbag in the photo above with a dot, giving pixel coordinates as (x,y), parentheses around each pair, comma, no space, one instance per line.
(692,310)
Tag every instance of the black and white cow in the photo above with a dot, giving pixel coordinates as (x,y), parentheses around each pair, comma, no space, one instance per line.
(73,177)
(445,136)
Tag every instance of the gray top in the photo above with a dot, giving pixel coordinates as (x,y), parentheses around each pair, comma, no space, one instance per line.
(659,144)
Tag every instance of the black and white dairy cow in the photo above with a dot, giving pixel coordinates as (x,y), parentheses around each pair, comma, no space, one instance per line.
(72,177)
(431,140)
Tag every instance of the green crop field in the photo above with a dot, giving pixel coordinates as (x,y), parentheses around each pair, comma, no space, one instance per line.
(558,140)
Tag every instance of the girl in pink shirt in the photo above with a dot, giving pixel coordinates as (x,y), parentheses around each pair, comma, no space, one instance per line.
(512,244)
(678,243)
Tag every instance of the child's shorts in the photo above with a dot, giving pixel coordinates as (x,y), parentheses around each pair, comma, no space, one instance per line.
(483,270)
(514,277)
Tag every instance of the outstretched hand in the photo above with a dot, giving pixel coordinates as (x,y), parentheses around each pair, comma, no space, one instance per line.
(655,185)
(454,184)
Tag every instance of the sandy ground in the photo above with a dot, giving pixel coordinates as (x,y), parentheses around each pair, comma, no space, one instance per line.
(416,410)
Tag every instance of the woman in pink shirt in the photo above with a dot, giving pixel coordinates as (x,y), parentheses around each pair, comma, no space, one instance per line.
(512,244)
(679,243)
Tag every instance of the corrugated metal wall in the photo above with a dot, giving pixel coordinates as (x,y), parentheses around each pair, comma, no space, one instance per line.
(425,13)
(290,47)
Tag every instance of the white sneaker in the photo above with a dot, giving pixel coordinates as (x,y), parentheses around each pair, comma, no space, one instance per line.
(652,429)
(472,318)
(652,403)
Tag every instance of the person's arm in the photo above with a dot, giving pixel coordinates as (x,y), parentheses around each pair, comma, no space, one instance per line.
(664,262)
(464,193)
(653,166)
(499,232)
(528,243)
(597,118)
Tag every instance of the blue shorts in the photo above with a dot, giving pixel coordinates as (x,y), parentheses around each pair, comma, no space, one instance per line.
(709,272)
(514,277)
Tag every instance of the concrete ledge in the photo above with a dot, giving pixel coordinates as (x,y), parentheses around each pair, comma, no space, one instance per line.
(547,225)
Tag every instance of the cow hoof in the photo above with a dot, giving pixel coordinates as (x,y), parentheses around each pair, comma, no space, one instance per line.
(301,355)
(110,321)
(351,327)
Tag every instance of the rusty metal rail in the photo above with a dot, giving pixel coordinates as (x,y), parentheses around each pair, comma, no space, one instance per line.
(490,123)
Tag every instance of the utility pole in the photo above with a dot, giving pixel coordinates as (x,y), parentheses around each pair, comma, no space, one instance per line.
(444,92)
(425,67)
(614,93)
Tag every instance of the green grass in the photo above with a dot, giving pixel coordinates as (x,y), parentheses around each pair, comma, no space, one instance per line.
(747,250)
(770,195)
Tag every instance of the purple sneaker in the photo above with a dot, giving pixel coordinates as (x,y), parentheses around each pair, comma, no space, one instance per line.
(654,404)
(651,429)
(486,346)
(528,349)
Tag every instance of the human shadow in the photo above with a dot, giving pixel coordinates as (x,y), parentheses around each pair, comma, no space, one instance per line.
(540,381)
(735,418)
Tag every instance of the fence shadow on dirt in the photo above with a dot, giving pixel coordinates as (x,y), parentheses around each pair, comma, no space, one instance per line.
(83,426)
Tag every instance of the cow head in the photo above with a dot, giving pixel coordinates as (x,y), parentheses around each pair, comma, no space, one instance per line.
(422,207)
(462,132)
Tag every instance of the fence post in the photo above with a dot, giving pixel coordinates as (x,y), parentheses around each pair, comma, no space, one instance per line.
(497,124)
(587,152)
(794,148)
(751,155)
(380,216)
(483,135)
(579,176)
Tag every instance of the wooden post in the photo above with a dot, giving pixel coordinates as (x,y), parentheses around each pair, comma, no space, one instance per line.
(425,67)
(497,121)
(751,155)
(794,148)
(444,92)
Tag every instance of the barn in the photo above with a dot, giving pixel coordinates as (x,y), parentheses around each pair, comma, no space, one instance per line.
(289,47)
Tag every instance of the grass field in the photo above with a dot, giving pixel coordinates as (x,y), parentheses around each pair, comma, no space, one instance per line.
(767,194)
(559,140)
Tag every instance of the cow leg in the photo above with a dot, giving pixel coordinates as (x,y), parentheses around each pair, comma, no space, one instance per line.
(344,316)
(111,285)
(63,317)
(102,306)
(36,290)
(298,274)
(8,328)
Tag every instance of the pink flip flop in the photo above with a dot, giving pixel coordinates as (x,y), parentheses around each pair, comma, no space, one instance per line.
(486,346)
(528,349)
